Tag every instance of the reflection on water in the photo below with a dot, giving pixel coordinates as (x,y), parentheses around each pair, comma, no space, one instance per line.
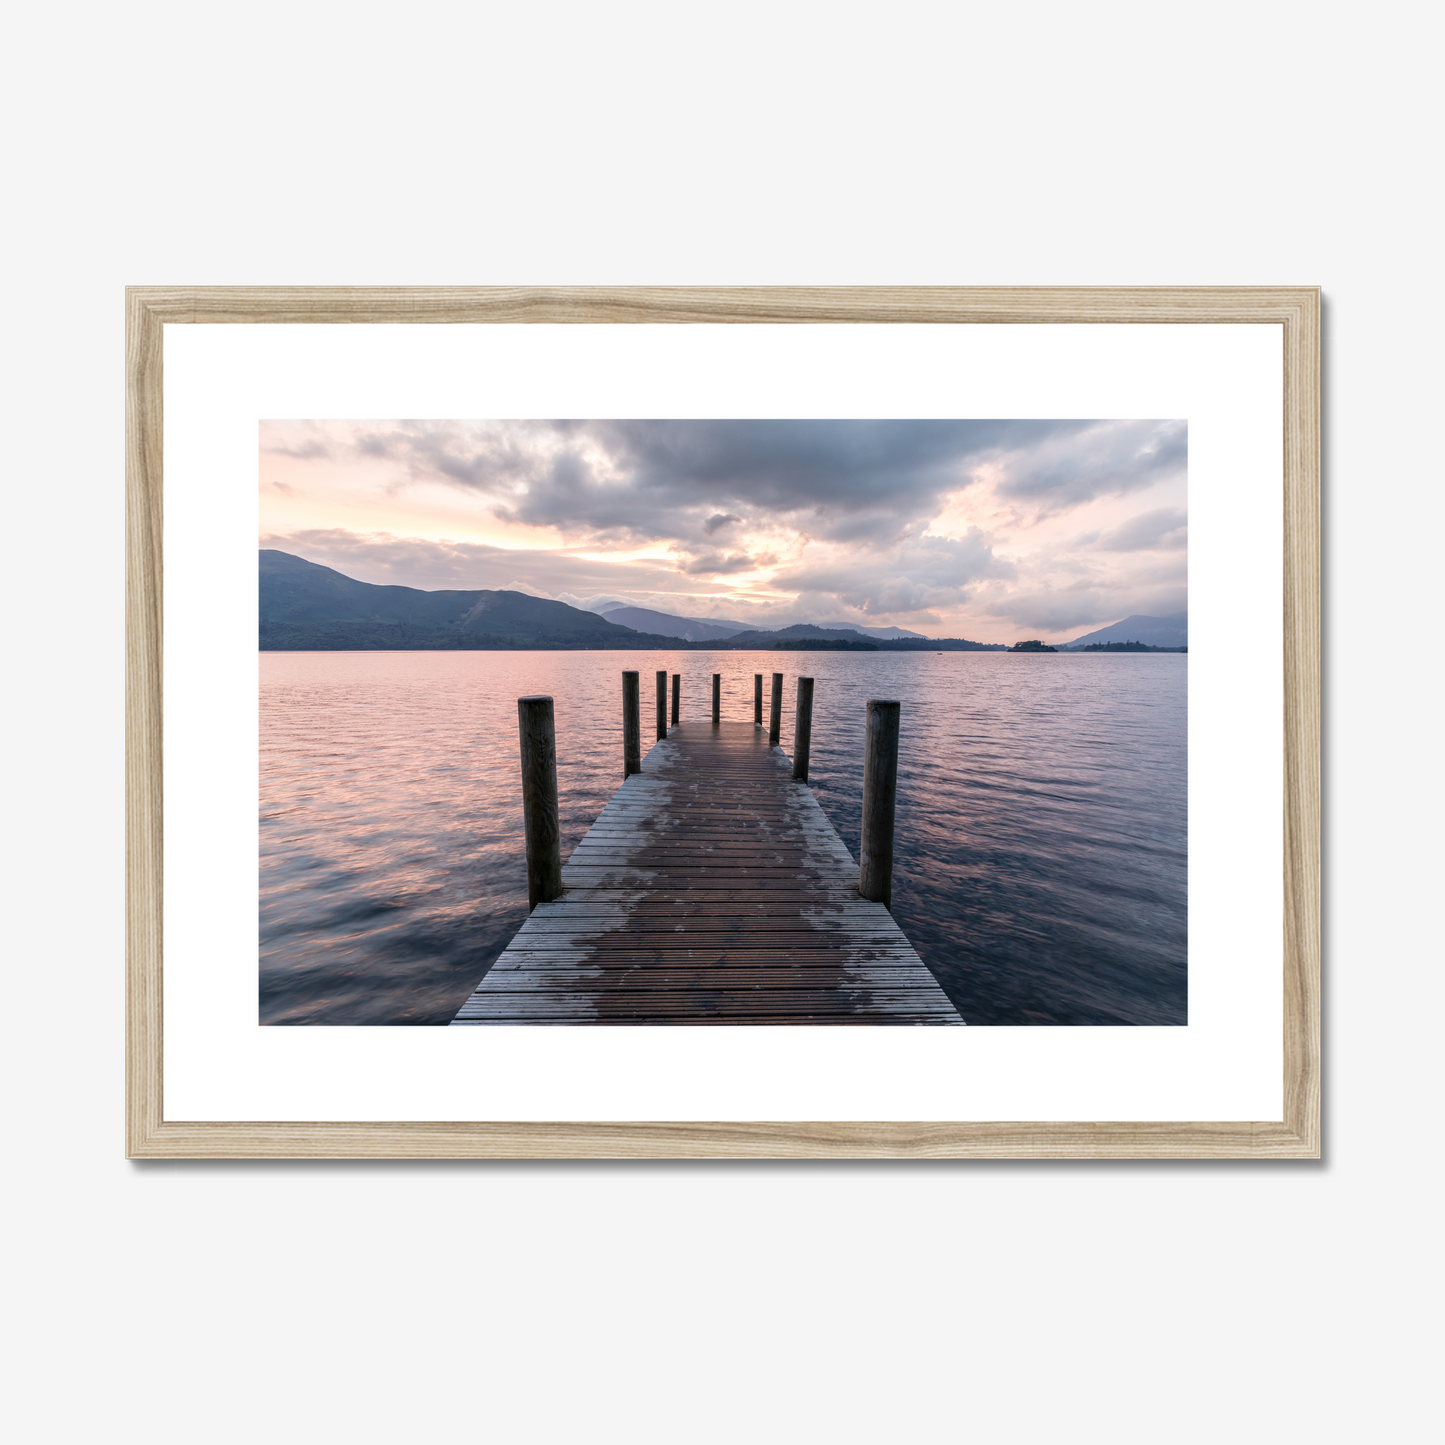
(1041,818)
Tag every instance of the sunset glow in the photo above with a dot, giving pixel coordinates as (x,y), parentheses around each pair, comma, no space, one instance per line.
(991,530)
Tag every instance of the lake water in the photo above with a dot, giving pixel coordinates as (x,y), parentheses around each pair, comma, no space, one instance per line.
(1041,840)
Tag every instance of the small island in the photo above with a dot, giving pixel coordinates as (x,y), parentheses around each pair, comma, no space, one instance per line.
(1033,646)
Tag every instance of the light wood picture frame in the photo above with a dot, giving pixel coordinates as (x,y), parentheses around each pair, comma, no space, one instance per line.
(1296,310)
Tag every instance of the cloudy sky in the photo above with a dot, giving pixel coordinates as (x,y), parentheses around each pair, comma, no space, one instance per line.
(993,530)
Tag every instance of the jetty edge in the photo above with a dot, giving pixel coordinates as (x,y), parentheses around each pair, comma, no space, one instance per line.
(711,889)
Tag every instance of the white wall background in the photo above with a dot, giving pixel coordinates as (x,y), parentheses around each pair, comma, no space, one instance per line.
(749,143)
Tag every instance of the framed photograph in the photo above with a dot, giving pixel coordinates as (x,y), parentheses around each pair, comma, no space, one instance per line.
(641,689)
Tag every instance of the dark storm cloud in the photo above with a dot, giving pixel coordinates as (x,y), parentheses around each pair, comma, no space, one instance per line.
(1164,529)
(864,482)
(1099,459)
(826,475)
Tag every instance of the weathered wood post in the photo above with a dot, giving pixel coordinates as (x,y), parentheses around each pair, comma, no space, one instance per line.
(662,704)
(538,735)
(716,698)
(631,726)
(880,787)
(775,711)
(757,699)
(803,729)
(676,697)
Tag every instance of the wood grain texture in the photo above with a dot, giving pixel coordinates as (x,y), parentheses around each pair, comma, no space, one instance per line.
(722,1139)
(726,305)
(1301,874)
(537,734)
(1296,310)
(144,1050)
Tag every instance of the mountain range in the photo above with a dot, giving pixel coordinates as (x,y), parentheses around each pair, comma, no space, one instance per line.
(1170,631)
(691,629)
(714,629)
(305,607)
(798,632)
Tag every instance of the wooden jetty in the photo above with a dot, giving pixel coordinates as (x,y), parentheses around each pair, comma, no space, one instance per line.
(710,890)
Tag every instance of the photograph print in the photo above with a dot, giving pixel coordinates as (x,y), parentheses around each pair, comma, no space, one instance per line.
(737,722)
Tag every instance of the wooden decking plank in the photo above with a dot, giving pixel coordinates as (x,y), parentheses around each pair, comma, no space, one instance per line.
(845,999)
(657,1008)
(759,1019)
(900,977)
(725,837)
(714,928)
(751,939)
(825,978)
(687,907)
(723,960)
(835,893)
(709,848)
(769,972)
(718,881)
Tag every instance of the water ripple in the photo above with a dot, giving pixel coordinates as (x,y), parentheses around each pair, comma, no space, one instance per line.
(1042,836)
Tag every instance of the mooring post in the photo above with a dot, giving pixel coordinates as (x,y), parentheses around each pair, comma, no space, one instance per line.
(676,696)
(716,698)
(880,787)
(538,735)
(775,711)
(803,729)
(631,726)
(757,699)
(662,704)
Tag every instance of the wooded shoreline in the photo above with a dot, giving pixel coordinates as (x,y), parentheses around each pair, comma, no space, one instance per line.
(407,637)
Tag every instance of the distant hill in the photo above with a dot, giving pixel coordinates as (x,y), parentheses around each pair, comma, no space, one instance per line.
(805,632)
(889,633)
(802,633)
(1171,631)
(305,607)
(665,624)
(798,632)
(714,629)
